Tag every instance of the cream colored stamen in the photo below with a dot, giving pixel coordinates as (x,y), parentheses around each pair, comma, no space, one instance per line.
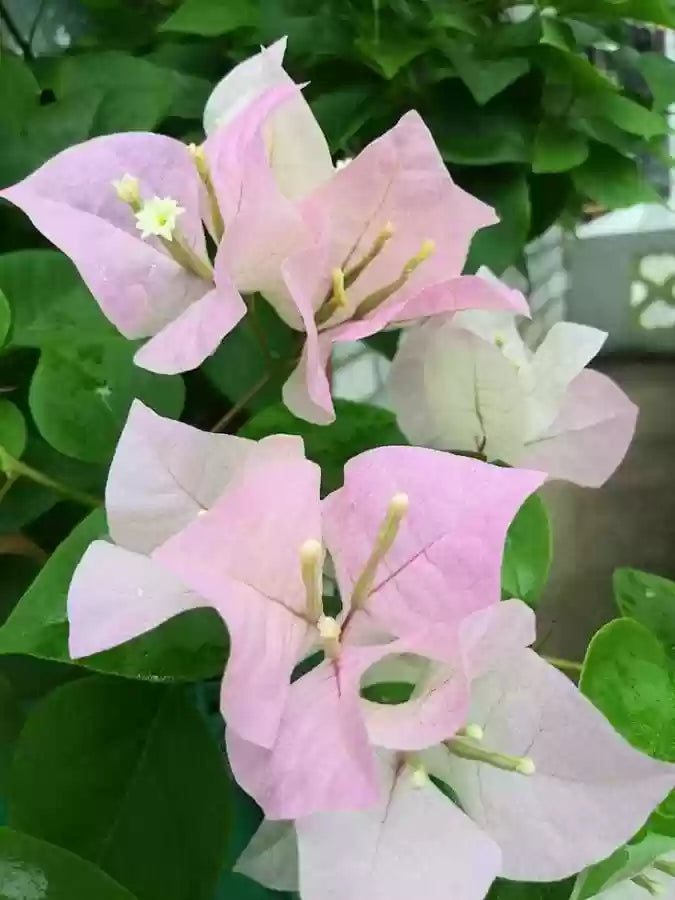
(202,165)
(329,631)
(311,565)
(469,749)
(396,512)
(472,731)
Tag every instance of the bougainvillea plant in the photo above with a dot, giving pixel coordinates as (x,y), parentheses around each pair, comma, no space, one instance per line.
(297,650)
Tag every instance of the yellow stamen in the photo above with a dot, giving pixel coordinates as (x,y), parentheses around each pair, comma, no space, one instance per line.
(426,250)
(337,299)
(202,165)
(339,293)
(468,749)
(378,246)
(311,565)
(372,301)
(398,507)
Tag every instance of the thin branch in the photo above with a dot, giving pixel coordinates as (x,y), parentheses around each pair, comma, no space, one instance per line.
(36,22)
(257,328)
(15,32)
(14,468)
(222,424)
(566,665)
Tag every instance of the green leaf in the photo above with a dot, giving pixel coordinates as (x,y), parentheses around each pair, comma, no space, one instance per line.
(357,427)
(135,93)
(343,112)
(485,78)
(613,180)
(80,396)
(240,363)
(557,33)
(190,647)
(5,318)
(11,722)
(506,36)
(246,818)
(13,434)
(528,552)
(61,124)
(563,67)
(389,56)
(624,113)
(659,73)
(473,136)
(649,600)
(658,12)
(385,342)
(212,19)
(35,870)
(500,245)
(628,676)
(557,148)
(19,91)
(533,890)
(622,865)
(48,300)
(147,800)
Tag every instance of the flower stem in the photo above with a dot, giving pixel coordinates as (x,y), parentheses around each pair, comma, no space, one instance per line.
(566,665)
(14,469)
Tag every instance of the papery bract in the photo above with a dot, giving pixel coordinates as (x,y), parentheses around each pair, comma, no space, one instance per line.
(104,202)
(164,477)
(588,793)
(243,556)
(390,236)
(412,842)
(296,147)
(469,383)
(545,783)
(447,562)
(140,287)
(444,564)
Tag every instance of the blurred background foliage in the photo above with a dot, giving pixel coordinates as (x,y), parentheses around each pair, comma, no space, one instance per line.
(521,114)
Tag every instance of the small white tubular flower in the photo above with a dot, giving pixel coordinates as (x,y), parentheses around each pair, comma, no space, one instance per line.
(158,217)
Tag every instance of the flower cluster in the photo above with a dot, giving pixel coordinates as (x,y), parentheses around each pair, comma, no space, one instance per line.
(382,703)
(356,790)
(339,253)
